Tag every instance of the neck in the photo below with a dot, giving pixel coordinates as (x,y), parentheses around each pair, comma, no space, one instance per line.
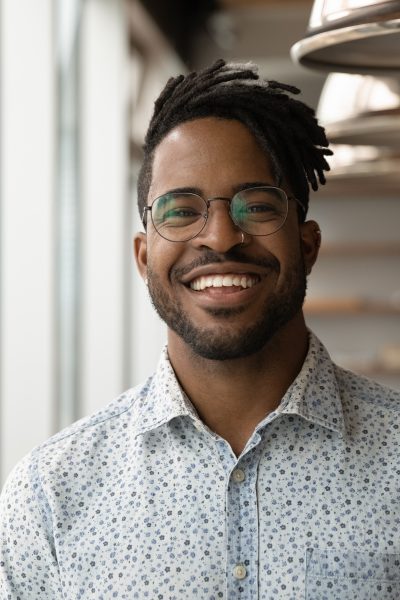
(233,396)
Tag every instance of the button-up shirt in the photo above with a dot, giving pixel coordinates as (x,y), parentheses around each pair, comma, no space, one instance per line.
(143,500)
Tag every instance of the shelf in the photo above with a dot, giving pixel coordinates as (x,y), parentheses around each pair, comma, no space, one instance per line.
(372,370)
(362,249)
(349,306)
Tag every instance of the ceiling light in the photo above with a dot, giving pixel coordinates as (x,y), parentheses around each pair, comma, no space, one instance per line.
(361,109)
(352,36)
(362,171)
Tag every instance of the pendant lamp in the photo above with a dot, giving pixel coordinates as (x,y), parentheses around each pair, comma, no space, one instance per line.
(361,109)
(367,171)
(352,36)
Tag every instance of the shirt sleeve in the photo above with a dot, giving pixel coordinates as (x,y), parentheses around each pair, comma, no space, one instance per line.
(28,561)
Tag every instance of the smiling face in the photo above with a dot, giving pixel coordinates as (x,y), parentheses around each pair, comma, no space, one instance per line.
(223,298)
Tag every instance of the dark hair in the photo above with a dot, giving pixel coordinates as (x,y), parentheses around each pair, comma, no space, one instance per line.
(284,127)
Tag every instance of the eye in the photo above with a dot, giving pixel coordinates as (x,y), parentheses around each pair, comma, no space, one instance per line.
(180,212)
(260,207)
(259,212)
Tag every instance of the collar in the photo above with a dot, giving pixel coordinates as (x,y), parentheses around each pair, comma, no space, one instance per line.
(162,399)
(313,395)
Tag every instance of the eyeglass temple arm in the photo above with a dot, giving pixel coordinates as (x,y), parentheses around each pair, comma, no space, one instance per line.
(299,203)
(144,216)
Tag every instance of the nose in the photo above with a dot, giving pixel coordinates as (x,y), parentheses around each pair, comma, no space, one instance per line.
(220,232)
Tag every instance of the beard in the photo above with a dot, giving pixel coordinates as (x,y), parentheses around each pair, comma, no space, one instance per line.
(220,342)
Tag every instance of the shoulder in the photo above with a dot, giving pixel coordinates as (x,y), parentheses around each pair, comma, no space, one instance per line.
(358,391)
(113,417)
(76,445)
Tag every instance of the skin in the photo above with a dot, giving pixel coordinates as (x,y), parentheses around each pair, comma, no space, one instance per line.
(233,395)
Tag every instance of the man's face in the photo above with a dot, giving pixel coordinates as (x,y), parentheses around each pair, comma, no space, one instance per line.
(265,277)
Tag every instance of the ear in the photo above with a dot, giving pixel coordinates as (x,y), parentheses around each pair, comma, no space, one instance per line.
(310,239)
(140,252)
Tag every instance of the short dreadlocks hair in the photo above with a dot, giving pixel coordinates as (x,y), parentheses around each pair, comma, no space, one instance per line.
(284,127)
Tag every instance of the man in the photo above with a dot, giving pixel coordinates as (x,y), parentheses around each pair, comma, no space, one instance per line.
(249,465)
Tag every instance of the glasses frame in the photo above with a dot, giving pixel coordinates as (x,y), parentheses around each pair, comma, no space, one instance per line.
(207,203)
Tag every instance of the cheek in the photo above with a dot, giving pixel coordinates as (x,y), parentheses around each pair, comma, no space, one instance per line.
(288,252)
(289,241)
(161,257)
(284,245)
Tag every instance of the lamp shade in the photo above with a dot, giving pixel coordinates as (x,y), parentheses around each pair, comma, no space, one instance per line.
(352,36)
(366,171)
(361,109)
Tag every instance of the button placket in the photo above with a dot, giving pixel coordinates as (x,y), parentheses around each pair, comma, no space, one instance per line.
(242,527)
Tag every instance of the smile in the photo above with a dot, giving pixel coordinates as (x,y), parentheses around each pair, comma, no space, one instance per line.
(241,280)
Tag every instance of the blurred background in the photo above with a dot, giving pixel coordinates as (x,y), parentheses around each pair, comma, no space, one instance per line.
(78,79)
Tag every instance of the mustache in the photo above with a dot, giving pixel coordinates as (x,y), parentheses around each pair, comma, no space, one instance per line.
(235,255)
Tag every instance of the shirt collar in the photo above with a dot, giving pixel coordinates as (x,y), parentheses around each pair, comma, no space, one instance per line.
(313,395)
(162,399)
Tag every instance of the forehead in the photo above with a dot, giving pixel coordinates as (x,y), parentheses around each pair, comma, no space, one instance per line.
(209,153)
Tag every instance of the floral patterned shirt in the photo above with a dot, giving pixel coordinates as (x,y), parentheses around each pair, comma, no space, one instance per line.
(142,500)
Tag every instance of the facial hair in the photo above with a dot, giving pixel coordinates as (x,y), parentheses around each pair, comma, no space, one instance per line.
(223,343)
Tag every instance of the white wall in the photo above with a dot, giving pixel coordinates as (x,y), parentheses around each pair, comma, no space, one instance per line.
(27,222)
(104,159)
(29,268)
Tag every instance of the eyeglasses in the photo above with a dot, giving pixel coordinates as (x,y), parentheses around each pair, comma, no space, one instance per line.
(181,216)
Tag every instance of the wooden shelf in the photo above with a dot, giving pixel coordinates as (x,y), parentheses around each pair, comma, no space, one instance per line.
(372,370)
(362,249)
(349,306)
(264,3)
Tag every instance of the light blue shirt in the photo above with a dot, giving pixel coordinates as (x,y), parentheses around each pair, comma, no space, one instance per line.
(142,500)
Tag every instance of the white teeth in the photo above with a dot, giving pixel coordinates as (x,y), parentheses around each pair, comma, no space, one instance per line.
(226,280)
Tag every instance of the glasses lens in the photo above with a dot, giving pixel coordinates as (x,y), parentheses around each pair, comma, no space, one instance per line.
(179,217)
(260,211)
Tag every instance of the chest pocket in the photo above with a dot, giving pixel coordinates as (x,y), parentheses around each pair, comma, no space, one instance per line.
(347,575)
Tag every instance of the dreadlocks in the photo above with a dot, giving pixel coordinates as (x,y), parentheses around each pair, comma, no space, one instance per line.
(284,127)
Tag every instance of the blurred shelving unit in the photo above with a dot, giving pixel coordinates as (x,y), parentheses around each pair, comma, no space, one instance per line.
(354,295)
(353,299)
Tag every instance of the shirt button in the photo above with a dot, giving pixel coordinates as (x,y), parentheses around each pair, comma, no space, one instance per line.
(239,572)
(238,475)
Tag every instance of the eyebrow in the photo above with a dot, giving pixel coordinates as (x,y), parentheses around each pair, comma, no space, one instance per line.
(237,188)
(252,184)
(183,190)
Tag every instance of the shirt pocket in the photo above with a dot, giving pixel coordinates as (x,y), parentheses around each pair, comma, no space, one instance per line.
(348,575)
